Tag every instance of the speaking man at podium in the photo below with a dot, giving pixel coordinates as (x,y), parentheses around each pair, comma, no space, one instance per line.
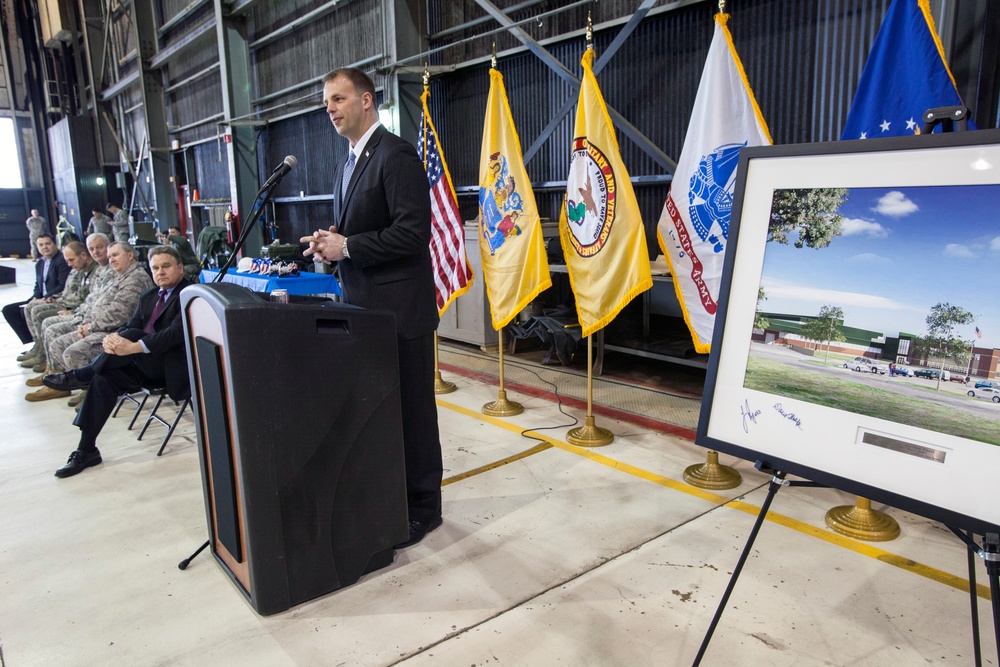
(381,240)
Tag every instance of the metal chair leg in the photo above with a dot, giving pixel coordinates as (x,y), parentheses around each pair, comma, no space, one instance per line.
(152,416)
(138,409)
(170,432)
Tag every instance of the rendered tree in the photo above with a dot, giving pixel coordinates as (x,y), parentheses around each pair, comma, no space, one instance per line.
(759,321)
(811,213)
(941,323)
(826,327)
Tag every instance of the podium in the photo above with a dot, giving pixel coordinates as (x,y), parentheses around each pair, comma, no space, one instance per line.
(300,441)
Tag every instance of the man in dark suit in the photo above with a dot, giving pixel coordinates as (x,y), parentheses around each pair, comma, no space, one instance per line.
(51,272)
(381,239)
(147,352)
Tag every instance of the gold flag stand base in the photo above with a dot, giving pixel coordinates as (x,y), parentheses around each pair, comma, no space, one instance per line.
(589,435)
(442,386)
(502,407)
(712,475)
(862,522)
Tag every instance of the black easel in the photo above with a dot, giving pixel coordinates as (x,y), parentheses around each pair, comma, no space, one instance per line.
(953,119)
(777,481)
(949,118)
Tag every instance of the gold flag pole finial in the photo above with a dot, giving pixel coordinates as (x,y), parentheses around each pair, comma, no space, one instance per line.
(590,31)
(493,61)
(722,6)
(427,75)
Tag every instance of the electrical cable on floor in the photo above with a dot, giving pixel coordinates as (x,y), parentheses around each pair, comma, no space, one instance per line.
(559,405)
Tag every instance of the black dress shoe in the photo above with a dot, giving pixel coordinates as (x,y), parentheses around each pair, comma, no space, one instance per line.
(67,381)
(418,529)
(78,462)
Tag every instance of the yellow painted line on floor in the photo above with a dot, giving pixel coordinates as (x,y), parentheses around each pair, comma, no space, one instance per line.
(856,546)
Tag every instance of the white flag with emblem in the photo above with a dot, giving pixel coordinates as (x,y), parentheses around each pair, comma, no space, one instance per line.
(693,229)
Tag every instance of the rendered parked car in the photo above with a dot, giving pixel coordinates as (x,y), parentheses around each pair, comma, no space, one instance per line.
(986,383)
(931,374)
(866,364)
(903,370)
(989,393)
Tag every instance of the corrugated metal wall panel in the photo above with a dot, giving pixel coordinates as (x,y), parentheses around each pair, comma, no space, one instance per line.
(211,177)
(311,50)
(803,60)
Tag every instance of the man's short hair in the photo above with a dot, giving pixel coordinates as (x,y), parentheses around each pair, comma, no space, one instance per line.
(107,207)
(126,246)
(172,228)
(99,236)
(77,248)
(44,235)
(361,81)
(164,250)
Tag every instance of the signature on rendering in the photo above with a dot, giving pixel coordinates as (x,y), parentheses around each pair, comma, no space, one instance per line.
(790,416)
(748,415)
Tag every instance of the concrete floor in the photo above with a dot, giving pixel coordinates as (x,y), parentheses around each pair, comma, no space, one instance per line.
(565,556)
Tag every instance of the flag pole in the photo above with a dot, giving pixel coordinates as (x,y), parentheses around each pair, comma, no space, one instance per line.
(502,407)
(590,435)
(441,386)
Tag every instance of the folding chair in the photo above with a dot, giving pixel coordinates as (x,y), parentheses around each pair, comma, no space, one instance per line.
(171,426)
(132,399)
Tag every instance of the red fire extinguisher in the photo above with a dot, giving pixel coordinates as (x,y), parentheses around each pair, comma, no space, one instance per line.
(232,226)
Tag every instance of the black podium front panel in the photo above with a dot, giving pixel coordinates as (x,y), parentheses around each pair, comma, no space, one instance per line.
(300,439)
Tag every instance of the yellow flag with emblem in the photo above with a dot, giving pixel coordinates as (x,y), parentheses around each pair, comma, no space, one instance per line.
(600,226)
(515,267)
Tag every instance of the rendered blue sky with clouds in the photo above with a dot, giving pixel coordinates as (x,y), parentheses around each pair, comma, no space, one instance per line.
(902,251)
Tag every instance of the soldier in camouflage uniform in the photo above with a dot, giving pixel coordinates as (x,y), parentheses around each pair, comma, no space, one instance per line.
(119,224)
(36,225)
(65,320)
(112,308)
(99,224)
(73,294)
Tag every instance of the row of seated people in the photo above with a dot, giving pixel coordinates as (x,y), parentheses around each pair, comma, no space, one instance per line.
(124,334)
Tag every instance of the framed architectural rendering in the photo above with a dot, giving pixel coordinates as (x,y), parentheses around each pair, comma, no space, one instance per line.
(859,292)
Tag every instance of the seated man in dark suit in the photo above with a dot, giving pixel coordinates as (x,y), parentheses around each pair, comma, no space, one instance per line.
(147,352)
(51,272)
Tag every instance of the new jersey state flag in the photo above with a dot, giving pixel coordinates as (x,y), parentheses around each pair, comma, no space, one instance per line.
(904,76)
(600,226)
(515,266)
(694,227)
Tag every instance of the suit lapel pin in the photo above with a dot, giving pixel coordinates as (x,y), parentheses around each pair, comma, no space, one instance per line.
(367,154)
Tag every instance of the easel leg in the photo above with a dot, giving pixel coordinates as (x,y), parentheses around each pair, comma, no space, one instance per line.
(974,601)
(990,553)
(777,481)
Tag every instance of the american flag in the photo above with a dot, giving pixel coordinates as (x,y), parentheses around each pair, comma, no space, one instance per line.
(452,273)
(979,334)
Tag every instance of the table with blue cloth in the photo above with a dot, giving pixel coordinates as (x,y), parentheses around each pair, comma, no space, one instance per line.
(302,284)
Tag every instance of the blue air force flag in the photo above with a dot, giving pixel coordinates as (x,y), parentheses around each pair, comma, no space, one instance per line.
(904,76)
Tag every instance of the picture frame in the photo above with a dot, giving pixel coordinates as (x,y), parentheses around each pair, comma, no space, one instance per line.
(776,397)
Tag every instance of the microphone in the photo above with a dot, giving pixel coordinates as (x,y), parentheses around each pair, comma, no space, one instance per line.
(279,172)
